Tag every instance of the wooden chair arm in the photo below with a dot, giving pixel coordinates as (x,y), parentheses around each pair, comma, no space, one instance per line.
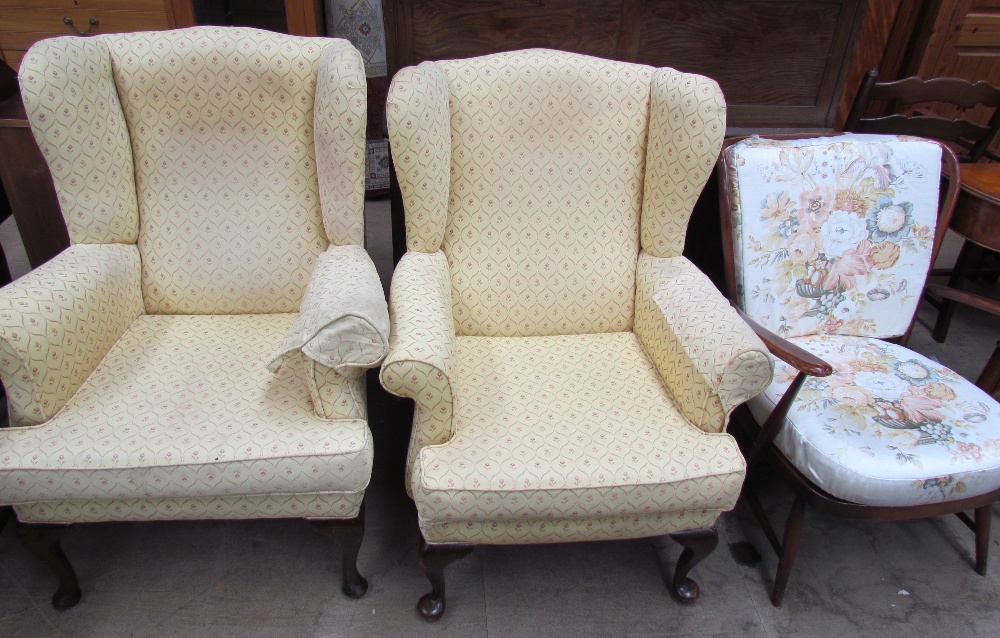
(800,359)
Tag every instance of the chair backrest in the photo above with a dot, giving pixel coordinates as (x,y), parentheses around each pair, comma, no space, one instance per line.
(833,235)
(532,172)
(200,146)
(975,138)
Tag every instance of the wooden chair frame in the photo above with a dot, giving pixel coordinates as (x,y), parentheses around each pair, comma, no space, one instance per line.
(762,448)
(976,138)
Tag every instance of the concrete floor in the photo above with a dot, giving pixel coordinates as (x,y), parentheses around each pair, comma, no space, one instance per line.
(280,578)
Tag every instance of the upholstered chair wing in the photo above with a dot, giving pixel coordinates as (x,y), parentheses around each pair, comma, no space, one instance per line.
(832,241)
(198,352)
(572,373)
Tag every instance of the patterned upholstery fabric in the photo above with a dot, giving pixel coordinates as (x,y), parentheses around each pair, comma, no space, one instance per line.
(547,161)
(340,115)
(709,359)
(71,99)
(343,322)
(221,124)
(889,427)
(420,130)
(530,532)
(182,406)
(540,415)
(335,395)
(567,428)
(687,122)
(834,235)
(422,348)
(137,360)
(58,321)
(318,505)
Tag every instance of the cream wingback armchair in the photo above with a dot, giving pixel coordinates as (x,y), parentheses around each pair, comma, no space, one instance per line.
(572,372)
(198,352)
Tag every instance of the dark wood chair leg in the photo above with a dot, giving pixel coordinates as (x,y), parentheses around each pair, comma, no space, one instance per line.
(697,544)
(984,515)
(349,532)
(6,515)
(43,542)
(969,254)
(789,547)
(434,557)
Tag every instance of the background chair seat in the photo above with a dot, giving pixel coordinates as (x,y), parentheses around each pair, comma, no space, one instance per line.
(183,406)
(889,427)
(568,428)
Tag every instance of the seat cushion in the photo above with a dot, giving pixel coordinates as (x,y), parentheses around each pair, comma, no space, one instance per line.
(183,406)
(568,428)
(889,427)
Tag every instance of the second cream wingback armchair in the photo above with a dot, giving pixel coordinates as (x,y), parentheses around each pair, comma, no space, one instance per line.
(573,374)
(198,352)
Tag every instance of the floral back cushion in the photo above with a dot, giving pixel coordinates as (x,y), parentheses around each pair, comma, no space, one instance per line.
(833,235)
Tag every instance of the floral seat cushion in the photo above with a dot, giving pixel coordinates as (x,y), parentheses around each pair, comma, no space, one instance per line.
(833,235)
(889,427)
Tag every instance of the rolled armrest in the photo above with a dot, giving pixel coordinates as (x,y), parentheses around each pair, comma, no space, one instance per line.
(58,321)
(709,359)
(421,360)
(343,320)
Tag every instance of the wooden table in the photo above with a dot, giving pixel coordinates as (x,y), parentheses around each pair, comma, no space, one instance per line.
(28,183)
(977,214)
(977,219)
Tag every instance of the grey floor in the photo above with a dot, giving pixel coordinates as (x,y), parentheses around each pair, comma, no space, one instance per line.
(278,578)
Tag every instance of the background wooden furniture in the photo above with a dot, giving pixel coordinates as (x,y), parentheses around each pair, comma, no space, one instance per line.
(24,22)
(980,203)
(977,220)
(970,139)
(780,63)
(928,38)
(746,46)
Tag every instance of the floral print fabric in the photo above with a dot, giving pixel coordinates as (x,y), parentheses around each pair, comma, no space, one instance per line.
(888,427)
(834,235)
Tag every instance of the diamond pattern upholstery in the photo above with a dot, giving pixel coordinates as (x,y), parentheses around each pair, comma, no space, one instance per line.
(136,361)
(566,428)
(59,321)
(76,117)
(569,385)
(548,156)
(183,406)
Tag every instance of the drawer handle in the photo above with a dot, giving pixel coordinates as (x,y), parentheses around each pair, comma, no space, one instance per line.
(69,23)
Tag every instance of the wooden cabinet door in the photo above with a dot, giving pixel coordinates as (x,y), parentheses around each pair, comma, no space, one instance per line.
(965,43)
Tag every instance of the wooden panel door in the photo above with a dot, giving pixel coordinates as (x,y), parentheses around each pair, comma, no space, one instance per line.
(965,43)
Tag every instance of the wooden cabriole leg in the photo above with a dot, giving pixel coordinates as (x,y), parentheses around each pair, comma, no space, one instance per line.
(789,547)
(697,544)
(349,532)
(43,542)
(434,557)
